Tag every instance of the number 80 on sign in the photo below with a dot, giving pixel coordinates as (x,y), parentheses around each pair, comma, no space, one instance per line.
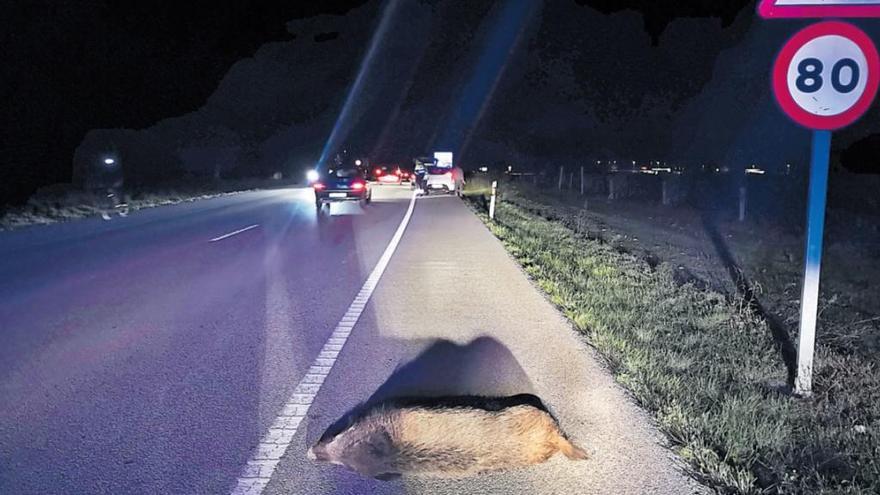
(826,75)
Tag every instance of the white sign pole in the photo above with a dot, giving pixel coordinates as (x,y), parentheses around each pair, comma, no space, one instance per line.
(812,262)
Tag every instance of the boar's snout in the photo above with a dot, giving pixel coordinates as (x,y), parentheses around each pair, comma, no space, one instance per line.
(318,452)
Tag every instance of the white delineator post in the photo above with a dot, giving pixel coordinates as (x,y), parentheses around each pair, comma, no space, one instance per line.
(560,177)
(492,201)
(582,180)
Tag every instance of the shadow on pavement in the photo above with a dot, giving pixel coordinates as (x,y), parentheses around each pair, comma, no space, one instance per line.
(448,374)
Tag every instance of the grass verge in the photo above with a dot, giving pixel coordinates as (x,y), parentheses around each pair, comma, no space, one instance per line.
(64,202)
(705,366)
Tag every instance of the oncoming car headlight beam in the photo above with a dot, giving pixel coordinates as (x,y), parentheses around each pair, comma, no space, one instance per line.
(341,123)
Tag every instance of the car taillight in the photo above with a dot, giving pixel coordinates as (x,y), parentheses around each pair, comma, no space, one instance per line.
(357,186)
(318,186)
(448,174)
(378,171)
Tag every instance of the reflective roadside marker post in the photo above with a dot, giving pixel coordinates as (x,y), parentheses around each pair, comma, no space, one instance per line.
(824,78)
(582,180)
(492,201)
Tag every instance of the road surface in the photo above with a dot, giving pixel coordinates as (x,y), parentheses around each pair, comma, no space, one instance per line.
(157,353)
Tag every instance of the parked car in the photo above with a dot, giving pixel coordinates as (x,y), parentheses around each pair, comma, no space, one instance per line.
(446,179)
(342,184)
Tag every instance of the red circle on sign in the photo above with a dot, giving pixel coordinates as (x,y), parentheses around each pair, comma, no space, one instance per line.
(787,54)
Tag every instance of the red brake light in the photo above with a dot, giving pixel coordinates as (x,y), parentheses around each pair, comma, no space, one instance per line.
(378,171)
(448,174)
(318,186)
(357,186)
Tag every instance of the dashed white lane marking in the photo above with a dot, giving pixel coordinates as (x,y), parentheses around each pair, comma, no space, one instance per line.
(273,445)
(239,231)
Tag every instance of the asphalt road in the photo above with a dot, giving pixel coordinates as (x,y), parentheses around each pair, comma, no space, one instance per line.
(140,356)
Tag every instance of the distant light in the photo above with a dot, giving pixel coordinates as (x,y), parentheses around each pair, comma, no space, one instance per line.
(109,161)
(510,168)
(755,170)
(312,175)
(484,169)
(358,163)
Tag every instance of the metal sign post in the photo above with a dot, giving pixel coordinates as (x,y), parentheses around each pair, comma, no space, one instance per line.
(812,260)
(824,78)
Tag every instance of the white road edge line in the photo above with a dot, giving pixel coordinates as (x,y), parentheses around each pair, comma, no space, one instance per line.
(239,231)
(268,453)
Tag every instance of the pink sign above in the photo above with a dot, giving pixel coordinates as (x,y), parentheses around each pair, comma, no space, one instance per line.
(785,9)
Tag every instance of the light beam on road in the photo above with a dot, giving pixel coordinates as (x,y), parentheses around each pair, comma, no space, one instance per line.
(477,92)
(342,121)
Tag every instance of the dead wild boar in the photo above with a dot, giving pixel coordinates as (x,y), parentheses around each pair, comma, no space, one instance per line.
(449,437)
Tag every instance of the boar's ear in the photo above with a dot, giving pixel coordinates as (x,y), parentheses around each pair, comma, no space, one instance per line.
(380,444)
(371,455)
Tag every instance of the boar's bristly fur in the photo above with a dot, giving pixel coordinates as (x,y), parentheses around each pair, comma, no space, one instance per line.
(453,436)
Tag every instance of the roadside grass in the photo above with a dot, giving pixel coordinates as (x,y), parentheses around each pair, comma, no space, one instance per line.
(63,202)
(478,185)
(704,365)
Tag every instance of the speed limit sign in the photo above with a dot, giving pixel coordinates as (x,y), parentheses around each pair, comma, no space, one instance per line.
(826,75)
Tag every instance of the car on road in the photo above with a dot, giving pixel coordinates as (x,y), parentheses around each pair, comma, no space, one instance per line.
(386,177)
(389,174)
(449,180)
(345,183)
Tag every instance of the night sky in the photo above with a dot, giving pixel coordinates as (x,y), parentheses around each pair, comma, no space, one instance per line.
(580,78)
